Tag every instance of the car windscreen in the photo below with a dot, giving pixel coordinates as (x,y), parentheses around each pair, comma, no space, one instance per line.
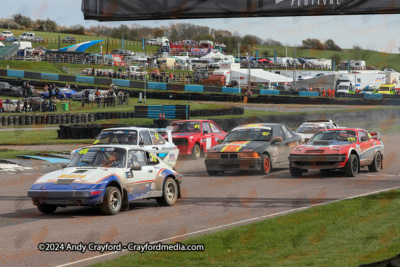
(124,137)
(249,135)
(342,136)
(309,128)
(186,127)
(109,157)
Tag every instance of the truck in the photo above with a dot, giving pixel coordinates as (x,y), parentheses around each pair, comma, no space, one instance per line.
(162,40)
(135,71)
(7,34)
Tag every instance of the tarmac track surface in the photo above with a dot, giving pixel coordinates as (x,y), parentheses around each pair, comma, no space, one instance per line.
(209,204)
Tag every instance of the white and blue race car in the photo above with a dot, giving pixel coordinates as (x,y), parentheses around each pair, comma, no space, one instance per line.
(108,177)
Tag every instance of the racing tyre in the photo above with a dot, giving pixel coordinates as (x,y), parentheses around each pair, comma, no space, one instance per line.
(196,152)
(295,172)
(376,165)
(47,208)
(112,201)
(265,164)
(170,193)
(351,168)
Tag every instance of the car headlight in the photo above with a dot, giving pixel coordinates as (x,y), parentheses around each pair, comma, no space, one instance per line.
(248,155)
(212,155)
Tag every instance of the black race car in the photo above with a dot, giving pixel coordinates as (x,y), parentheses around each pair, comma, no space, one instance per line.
(258,147)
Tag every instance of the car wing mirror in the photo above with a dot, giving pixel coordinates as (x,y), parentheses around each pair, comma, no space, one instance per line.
(141,143)
(306,140)
(364,139)
(136,167)
(277,139)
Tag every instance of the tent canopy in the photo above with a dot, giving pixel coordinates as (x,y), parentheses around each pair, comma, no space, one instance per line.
(81,47)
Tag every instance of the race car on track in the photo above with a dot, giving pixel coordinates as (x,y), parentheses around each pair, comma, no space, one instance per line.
(341,148)
(193,137)
(309,128)
(108,177)
(254,147)
(146,138)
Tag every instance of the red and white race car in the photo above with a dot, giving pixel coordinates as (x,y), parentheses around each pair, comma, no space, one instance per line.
(341,148)
(194,136)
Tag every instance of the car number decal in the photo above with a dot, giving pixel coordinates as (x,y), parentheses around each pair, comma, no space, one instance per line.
(84,151)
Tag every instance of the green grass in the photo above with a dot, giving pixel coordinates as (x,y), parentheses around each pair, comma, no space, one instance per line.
(76,106)
(13,154)
(35,137)
(51,42)
(346,233)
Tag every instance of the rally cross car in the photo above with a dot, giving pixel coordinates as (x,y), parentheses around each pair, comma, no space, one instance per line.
(309,128)
(108,177)
(342,148)
(196,136)
(254,147)
(146,138)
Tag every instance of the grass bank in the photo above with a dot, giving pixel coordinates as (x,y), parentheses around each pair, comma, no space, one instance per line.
(346,233)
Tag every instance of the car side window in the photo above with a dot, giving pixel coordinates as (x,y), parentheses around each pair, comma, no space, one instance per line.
(151,159)
(157,138)
(287,132)
(361,134)
(214,128)
(137,156)
(145,137)
(280,133)
(206,127)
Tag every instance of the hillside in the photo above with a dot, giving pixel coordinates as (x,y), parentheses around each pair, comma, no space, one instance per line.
(372,58)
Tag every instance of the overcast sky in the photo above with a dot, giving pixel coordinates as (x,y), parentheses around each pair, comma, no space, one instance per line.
(375,32)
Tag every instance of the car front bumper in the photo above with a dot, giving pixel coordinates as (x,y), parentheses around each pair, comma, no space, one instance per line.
(67,197)
(233,164)
(321,162)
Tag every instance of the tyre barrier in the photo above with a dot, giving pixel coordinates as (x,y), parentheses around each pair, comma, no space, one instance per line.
(10,121)
(5,121)
(79,131)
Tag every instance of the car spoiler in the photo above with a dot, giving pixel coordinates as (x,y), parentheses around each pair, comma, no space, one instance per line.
(168,156)
(167,131)
(376,135)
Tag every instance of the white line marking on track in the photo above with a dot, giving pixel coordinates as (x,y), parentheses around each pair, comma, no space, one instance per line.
(234,223)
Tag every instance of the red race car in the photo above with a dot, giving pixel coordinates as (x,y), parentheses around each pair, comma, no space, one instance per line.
(340,148)
(194,136)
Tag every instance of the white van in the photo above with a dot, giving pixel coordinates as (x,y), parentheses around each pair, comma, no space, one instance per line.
(27,36)
(344,87)
(7,34)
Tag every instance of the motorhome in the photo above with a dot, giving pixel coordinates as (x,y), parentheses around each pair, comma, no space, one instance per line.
(162,40)
(200,63)
(166,62)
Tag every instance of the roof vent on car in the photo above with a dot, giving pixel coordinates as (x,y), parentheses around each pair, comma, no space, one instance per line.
(80,171)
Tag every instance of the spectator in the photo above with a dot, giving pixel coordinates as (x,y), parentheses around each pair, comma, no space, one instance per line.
(62,96)
(45,105)
(51,91)
(54,104)
(76,88)
(25,107)
(1,105)
(98,99)
(18,109)
(50,104)
(324,92)
(121,97)
(87,93)
(57,92)
(329,92)
(30,90)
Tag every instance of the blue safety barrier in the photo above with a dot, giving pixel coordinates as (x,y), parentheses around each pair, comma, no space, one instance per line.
(269,92)
(49,76)
(194,88)
(373,96)
(16,73)
(118,82)
(82,79)
(308,93)
(169,111)
(231,90)
(157,86)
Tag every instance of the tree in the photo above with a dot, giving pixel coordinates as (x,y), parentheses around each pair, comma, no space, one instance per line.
(22,20)
(332,46)
(272,42)
(313,44)
(357,52)
(337,58)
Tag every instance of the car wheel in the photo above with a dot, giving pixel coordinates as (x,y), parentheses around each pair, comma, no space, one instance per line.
(376,165)
(351,168)
(112,201)
(196,152)
(47,208)
(295,172)
(170,193)
(265,164)
(212,173)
